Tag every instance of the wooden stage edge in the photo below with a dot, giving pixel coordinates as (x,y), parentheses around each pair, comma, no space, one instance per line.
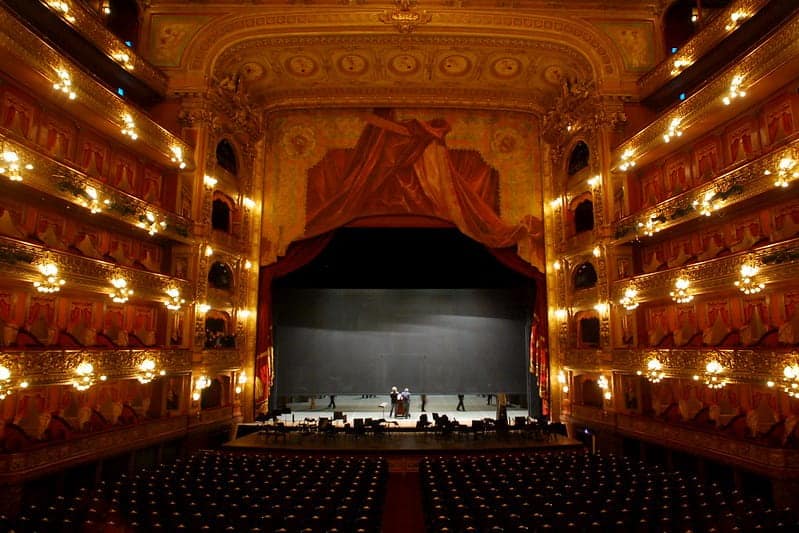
(396,443)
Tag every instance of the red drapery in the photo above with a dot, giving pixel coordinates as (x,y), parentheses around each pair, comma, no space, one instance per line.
(405,168)
(299,253)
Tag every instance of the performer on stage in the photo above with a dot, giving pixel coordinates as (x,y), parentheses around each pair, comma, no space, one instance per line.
(460,406)
(394,396)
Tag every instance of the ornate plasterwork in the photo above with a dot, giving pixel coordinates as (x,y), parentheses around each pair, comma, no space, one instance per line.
(405,17)
(53,367)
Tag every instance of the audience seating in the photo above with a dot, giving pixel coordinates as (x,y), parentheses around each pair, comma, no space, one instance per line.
(215,491)
(576,491)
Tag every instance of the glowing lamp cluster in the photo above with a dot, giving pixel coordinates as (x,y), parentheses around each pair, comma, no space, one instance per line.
(650,227)
(6,388)
(707,205)
(209,181)
(654,371)
(679,64)
(627,159)
(51,282)
(713,377)
(177,157)
(746,280)
(604,385)
(129,127)
(175,301)
(11,166)
(735,19)
(242,381)
(62,8)
(630,299)
(149,222)
(148,372)
(674,130)
(203,382)
(248,202)
(124,59)
(92,201)
(64,84)
(121,292)
(564,385)
(735,90)
(85,377)
(595,181)
(785,172)
(790,380)
(682,291)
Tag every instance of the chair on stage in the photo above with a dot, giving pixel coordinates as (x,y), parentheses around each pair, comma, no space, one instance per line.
(325,427)
(423,423)
(359,428)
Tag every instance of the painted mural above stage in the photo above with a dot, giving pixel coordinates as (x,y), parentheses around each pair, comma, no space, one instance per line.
(476,169)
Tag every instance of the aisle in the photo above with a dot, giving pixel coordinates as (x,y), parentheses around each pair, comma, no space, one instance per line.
(402,512)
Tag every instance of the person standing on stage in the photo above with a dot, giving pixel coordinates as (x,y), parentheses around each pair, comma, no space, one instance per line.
(460,407)
(332,403)
(405,398)
(394,397)
(423,397)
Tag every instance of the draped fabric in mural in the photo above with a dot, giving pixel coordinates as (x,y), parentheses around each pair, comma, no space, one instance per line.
(406,168)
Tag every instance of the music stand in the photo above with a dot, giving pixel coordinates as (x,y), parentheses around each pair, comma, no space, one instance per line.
(383,407)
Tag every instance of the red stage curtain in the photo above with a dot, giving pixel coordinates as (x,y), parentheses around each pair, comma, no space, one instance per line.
(298,254)
(405,167)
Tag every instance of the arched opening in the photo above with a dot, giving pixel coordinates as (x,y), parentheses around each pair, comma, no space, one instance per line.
(592,394)
(217,330)
(226,157)
(585,276)
(220,276)
(584,216)
(123,21)
(221,213)
(588,332)
(578,159)
(211,396)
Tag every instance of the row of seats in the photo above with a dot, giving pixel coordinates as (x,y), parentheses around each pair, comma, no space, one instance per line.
(577,491)
(215,491)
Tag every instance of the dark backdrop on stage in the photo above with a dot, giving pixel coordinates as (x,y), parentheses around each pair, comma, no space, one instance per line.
(430,340)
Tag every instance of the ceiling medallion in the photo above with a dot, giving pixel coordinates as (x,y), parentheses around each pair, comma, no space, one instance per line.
(403,18)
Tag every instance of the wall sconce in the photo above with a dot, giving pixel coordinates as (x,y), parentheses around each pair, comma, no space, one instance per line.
(92,200)
(11,165)
(561,314)
(203,382)
(735,90)
(713,378)
(247,264)
(106,8)
(735,18)
(651,226)
(674,130)
(147,371)
(148,222)
(175,302)
(123,58)
(209,181)
(627,159)
(242,381)
(790,380)
(86,377)
(244,314)
(6,389)
(596,251)
(129,127)
(654,371)
(601,307)
(209,251)
(121,293)
(248,202)
(203,308)
(629,300)
(177,156)
(746,282)
(785,172)
(706,205)
(64,84)
(593,182)
(681,293)
(554,204)
(51,282)
(556,265)
(62,8)
(563,382)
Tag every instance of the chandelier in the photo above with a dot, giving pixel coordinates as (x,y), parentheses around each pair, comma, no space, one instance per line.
(175,302)
(147,371)
(629,301)
(64,84)
(6,388)
(746,282)
(51,282)
(177,156)
(11,166)
(121,293)
(713,378)
(92,200)
(790,380)
(707,205)
(654,371)
(785,172)
(681,294)
(148,222)
(86,377)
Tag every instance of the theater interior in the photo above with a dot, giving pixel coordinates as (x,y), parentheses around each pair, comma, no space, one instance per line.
(566,232)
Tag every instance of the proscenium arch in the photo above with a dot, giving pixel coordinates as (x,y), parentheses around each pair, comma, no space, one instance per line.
(222,33)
